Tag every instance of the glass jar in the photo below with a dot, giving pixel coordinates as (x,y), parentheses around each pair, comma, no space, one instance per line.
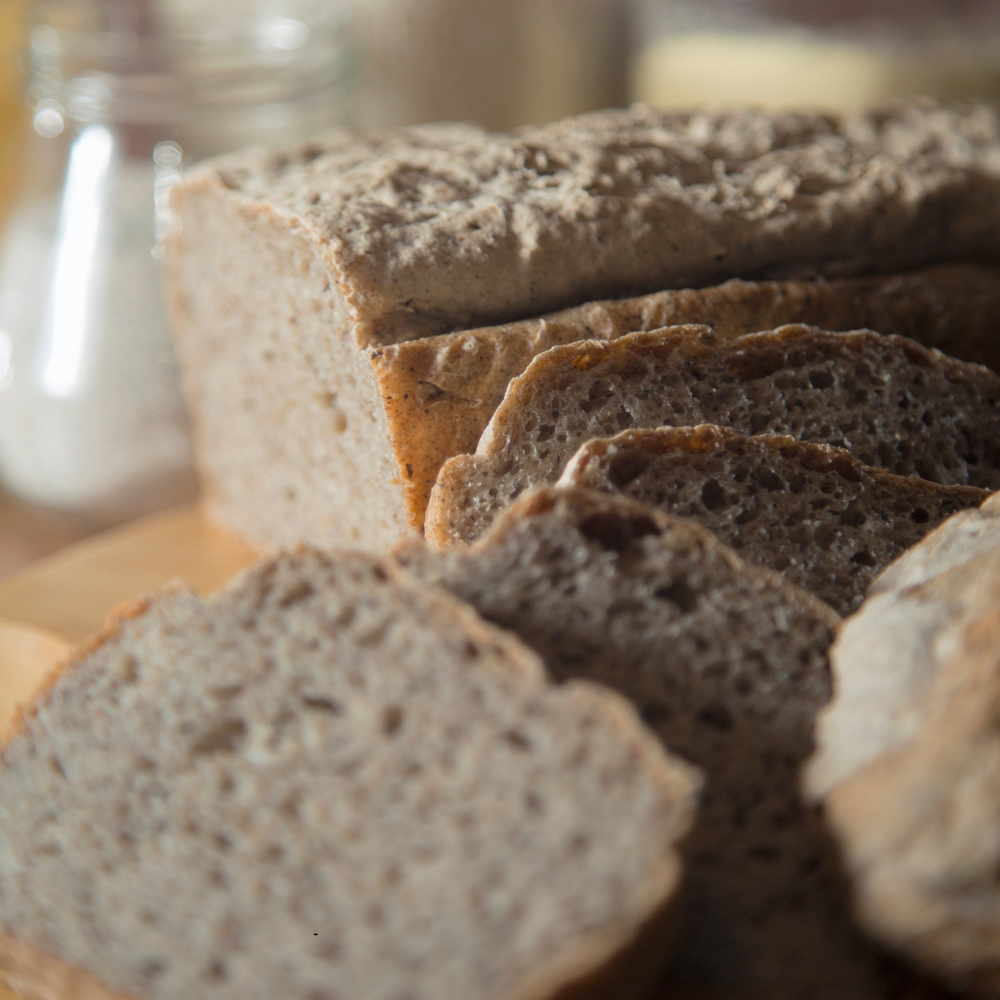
(91,417)
(813,53)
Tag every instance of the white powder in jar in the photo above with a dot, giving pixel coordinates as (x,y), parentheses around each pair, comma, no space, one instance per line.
(91,416)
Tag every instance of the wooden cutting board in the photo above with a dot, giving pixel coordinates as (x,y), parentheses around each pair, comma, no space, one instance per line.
(71,592)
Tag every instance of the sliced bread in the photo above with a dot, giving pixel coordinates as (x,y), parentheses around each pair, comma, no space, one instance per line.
(727,663)
(826,521)
(889,401)
(289,267)
(327,783)
(440,392)
(908,765)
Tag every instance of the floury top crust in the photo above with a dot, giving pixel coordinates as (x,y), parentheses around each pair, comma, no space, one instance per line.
(441,227)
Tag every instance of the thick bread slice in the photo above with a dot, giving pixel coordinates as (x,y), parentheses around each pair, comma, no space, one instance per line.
(440,392)
(826,521)
(328,783)
(887,400)
(288,265)
(728,664)
(909,761)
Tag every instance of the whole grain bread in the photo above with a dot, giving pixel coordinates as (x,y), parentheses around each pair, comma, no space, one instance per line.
(440,392)
(727,663)
(288,266)
(889,401)
(827,522)
(326,782)
(908,765)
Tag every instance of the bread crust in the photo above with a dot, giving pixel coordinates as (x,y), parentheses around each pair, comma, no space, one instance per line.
(908,758)
(621,202)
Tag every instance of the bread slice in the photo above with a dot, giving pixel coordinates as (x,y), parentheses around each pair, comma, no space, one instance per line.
(908,766)
(440,392)
(289,268)
(727,663)
(887,400)
(329,783)
(826,521)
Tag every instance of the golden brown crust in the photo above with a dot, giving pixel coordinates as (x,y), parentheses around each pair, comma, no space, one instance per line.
(440,392)
(37,976)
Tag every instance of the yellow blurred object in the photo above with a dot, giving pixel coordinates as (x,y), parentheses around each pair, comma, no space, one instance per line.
(803,70)
(13,112)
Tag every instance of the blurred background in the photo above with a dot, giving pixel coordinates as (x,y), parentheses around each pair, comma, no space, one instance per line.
(104,102)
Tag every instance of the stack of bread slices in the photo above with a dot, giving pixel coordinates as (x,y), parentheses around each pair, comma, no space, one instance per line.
(569,452)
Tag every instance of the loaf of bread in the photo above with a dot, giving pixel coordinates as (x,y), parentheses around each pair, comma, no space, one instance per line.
(824,520)
(727,663)
(887,400)
(908,764)
(290,272)
(327,782)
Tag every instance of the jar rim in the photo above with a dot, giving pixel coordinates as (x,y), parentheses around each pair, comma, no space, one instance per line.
(293,49)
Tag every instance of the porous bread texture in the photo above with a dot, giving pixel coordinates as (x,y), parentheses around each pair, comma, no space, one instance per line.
(326,782)
(727,663)
(288,265)
(440,392)
(824,520)
(292,441)
(917,812)
(886,399)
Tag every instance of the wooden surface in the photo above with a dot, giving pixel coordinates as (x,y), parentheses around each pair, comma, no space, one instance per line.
(71,592)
